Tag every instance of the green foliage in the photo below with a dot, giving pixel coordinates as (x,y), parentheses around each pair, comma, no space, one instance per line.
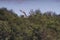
(36,26)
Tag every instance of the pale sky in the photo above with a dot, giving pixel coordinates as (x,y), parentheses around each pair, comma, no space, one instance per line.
(27,5)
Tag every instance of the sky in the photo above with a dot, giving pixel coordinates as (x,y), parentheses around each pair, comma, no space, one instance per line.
(27,5)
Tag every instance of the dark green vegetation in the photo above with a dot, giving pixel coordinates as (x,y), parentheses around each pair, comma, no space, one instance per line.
(36,26)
